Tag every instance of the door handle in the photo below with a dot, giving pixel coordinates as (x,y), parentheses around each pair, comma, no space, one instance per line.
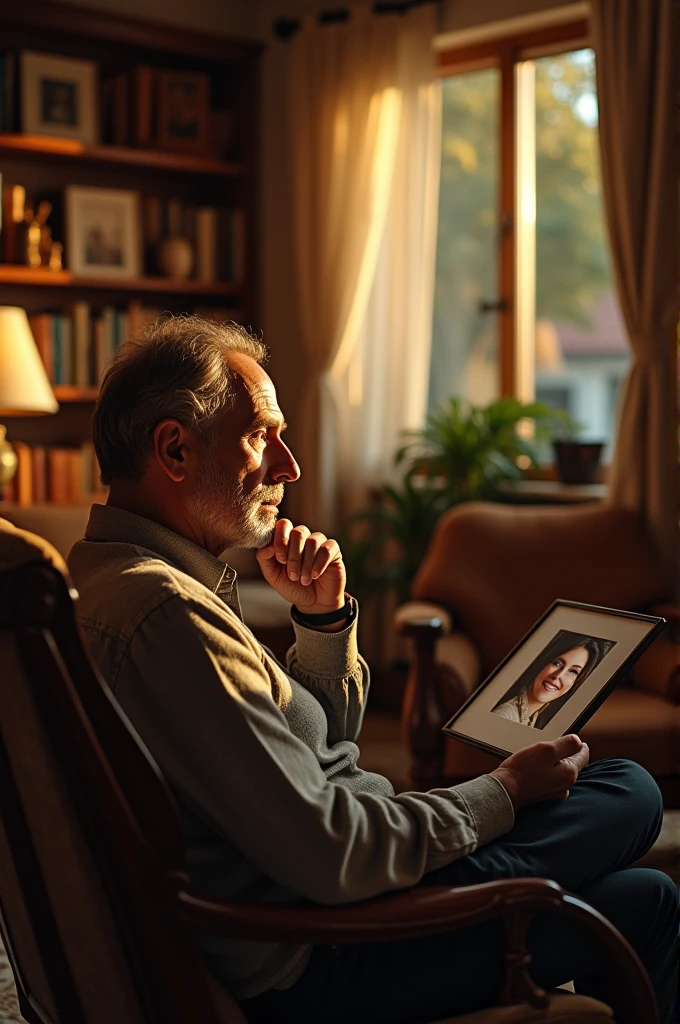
(492,305)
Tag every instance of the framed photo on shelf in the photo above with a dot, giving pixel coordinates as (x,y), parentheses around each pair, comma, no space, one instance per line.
(102,232)
(183,112)
(58,96)
(556,677)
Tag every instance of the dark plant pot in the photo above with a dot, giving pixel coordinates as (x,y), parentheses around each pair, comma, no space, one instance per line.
(578,462)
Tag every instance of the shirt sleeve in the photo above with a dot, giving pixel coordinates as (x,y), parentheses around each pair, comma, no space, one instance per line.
(199,695)
(329,666)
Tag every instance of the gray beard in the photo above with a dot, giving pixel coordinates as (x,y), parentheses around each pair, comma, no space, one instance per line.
(222,508)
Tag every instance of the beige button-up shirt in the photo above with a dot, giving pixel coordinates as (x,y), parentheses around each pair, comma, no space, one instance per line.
(262,760)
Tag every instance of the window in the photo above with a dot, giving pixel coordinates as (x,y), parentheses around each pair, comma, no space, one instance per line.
(525,302)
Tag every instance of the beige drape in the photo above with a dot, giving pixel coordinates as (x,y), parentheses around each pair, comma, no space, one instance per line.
(345,109)
(635,52)
(383,386)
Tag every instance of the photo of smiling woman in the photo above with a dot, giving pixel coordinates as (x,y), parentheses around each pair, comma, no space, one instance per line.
(552,678)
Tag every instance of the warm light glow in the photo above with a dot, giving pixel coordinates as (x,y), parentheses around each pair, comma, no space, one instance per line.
(386,106)
(525,252)
(24,387)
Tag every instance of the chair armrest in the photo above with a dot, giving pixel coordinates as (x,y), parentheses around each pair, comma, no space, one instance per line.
(430,910)
(444,670)
(658,670)
(415,613)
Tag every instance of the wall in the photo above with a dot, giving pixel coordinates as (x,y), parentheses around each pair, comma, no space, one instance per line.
(458,14)
(230,17)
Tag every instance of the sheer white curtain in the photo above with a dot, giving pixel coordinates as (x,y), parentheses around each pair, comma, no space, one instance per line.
(382,385)
(360,101)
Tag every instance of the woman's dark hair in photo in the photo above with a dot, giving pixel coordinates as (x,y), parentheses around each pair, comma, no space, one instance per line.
(562,642)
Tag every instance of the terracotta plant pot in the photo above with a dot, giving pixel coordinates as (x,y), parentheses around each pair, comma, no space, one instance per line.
(578,462)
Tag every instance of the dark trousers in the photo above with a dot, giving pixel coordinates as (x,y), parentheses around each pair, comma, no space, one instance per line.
(586,843)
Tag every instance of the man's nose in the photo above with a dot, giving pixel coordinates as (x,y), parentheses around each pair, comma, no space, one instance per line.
(283,468)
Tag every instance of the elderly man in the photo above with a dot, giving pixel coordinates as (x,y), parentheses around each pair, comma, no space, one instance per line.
(263,759)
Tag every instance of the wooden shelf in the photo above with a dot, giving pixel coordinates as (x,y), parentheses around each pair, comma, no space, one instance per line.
(71,149)
(71,393)
(43,277)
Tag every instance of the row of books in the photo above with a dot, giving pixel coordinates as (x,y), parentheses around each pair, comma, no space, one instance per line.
(139,109)
(76,346)
(217,236)
(8,92)
(66,475)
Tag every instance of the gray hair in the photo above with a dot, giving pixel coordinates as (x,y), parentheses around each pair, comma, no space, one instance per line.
(174,369)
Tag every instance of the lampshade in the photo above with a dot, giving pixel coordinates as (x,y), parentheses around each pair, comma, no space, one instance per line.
(24,387)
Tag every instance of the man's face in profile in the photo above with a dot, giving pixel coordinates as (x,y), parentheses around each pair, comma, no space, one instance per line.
(240,481)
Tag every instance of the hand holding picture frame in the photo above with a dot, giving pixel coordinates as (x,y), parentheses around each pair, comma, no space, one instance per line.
(555,678)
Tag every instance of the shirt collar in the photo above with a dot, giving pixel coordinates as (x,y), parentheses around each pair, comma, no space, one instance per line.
(108,523)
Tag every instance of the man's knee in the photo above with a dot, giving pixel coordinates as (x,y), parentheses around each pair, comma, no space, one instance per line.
(631,782)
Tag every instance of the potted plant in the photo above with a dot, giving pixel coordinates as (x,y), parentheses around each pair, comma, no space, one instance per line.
(463,453)
(577,461)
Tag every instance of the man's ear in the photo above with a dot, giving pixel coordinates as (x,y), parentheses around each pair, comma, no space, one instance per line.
(172,448)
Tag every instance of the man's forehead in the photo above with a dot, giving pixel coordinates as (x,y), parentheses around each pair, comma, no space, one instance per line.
(255,391)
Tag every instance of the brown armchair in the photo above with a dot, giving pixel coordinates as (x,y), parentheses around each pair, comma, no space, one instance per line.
(100,921)
(491,571)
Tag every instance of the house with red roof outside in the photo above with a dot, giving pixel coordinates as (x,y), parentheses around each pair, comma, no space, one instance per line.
(581,369)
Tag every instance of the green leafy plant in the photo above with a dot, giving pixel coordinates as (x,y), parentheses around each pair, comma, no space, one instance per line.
(463,453)
(473,449)
(387,541)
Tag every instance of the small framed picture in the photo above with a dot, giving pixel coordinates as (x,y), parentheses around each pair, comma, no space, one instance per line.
(183,111)
(102,232)
(58,97)
(555,679)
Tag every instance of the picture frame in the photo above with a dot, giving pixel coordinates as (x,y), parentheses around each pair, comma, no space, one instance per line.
(555,678)
(183,112)
(59,96)
(102,232)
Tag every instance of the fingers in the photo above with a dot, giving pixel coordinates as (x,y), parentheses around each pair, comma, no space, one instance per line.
(544,771)
(282,532)
(317,558)
(580,760)
(296,542)
(565,746)
(306,555)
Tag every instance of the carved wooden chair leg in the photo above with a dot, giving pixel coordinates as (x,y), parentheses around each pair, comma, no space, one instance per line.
(424,714)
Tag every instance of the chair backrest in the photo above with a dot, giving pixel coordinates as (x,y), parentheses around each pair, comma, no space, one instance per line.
(499,567)
(91,850)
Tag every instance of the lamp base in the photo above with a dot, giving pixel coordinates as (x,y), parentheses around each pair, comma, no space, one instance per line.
(8,459)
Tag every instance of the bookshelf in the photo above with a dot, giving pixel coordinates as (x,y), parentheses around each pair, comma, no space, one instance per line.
(41,277)
(71,149)
(126,52)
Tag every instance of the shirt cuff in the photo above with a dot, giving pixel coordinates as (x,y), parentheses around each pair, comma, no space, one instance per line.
(328,655)
(490,806)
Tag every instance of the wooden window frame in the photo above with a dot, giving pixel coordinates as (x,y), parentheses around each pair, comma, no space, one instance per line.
(504,53)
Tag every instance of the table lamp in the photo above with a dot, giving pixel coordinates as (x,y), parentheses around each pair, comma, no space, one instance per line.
(24,387)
